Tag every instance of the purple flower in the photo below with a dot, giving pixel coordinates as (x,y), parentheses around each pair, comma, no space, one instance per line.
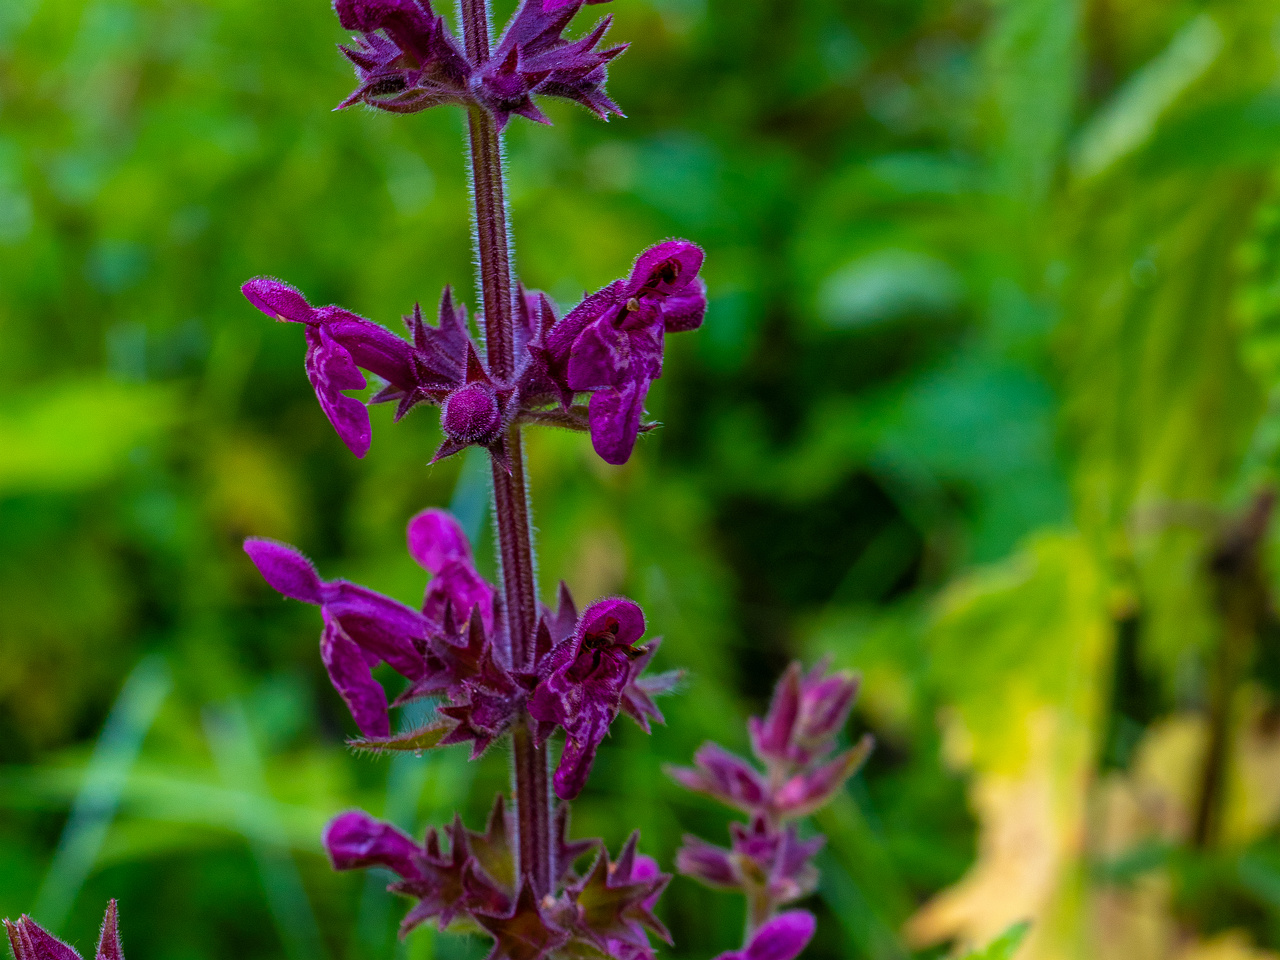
(782,938)
(612,342)
(338,344)
(767,860)
(726,777)
(413,63)
(805,714)
(615,902)
(363,628)
(794,741)
(581,683)
(406,60)
(30,941)
(354,839)
(764,861)
(474,874)
(533,57)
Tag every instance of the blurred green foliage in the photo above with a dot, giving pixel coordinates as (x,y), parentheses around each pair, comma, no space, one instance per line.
(990,366)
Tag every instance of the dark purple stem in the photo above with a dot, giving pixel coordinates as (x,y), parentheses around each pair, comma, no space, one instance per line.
(511,497)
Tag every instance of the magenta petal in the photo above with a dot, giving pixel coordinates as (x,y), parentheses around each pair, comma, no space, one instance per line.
(782,938)
(614,416)
(599,357)
(685,310)
(355,839)
(285,569)
(623,616)
(370,15)
(371,346)
(575,762)
(380,625)
(436,539)
(349,672)
(666,267)
(278,300)
(331,370)
(462,588)
(706,862)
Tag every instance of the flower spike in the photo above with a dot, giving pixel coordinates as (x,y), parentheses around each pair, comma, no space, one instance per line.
(768,861)
(496,664)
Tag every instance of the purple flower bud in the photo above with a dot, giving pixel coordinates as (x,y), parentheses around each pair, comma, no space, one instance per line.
(30,941)
(805,714)
(782,938)
(708,863)
(354,839)
(813,789)
(470,413)
(437,540)
(724,776)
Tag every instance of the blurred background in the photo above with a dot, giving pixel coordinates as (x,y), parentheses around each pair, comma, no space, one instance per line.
(985,407)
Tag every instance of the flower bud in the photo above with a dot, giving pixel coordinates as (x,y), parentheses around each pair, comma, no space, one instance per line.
(470,413)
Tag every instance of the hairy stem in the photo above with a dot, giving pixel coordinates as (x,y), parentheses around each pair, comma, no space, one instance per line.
(511,497)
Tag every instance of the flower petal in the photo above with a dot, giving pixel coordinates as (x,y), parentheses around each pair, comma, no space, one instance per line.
(615,421)
(354,839)
(600,357)
(350,675)
(278,300)
(665,268)
(285,569)
(331,370)
(436,539)
(618,615)
(782,938)
(685,310)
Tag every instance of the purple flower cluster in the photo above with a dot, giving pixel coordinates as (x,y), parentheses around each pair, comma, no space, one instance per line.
(461,875)
(609,347)
(406,60)
(30,941)
(585,671)
(767,860)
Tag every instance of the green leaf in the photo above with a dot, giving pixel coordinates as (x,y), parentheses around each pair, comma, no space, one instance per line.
(417,740)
